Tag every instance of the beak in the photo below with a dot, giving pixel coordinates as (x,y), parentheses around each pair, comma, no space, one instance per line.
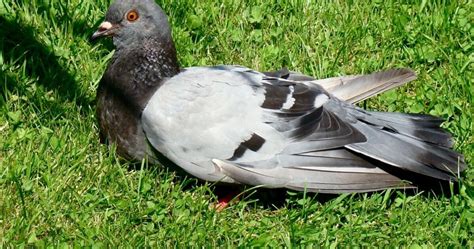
(105,29)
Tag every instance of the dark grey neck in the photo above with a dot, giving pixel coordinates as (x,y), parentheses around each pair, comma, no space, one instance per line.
(136,72)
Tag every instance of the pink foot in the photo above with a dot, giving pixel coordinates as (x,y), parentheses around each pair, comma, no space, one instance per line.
(224,202)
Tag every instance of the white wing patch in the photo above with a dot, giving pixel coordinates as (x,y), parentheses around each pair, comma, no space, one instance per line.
(290,100)
(320,100)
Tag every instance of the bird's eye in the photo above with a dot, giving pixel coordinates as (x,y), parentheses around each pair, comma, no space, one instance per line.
(132,15)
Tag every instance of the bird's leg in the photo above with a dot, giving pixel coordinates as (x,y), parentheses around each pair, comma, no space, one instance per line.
(225,195)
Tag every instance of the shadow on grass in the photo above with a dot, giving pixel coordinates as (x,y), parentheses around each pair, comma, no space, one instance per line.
(19,45)
(278,198)
(5,83)
(275,199)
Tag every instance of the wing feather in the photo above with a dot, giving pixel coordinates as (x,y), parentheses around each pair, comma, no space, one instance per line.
(311,179)
(354,88)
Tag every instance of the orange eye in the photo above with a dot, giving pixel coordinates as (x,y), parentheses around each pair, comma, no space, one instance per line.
(132,16)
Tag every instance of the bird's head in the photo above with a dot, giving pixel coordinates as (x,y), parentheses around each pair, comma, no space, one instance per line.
(130,21)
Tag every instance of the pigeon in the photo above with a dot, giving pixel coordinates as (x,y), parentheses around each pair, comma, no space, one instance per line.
(281,129)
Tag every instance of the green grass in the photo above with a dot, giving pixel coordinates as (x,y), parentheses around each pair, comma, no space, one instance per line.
(59,186)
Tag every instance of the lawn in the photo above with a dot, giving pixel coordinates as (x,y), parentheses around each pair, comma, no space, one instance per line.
(59,186)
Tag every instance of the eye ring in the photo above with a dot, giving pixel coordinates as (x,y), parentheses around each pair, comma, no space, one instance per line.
(132,15)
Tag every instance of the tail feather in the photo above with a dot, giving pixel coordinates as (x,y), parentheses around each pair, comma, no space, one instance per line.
(417,146)
(422,127)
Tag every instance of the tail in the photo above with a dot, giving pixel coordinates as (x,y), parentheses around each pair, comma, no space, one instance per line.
(411,142)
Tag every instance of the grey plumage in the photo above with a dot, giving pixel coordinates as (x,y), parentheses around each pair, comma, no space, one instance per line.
(278,129)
